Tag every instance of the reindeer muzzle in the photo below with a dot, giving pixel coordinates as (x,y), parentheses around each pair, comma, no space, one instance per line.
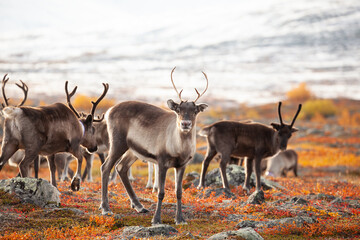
(94,149)
(185,125)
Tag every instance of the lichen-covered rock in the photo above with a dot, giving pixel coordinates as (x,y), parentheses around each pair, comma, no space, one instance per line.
(256,198)
(298,221)
(147,232)
(219,192)
(236,177)
(246,233)
(32,190)
(298,201)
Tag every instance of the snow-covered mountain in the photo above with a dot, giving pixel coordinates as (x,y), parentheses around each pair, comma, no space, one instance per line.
(252,52)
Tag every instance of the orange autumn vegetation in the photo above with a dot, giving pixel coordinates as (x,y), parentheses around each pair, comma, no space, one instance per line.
(300,93)
(83,103)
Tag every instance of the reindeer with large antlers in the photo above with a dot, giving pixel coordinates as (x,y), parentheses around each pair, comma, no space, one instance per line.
(140,130)
(254,141)
(47,130)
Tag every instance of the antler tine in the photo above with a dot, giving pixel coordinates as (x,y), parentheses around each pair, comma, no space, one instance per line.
(207,84)
(99,119)
(68,97)
(106,88)
(279,111)
(25,89)
(172,81)
(297,113)
(4,81)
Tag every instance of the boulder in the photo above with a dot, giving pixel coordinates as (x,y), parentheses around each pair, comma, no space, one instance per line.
(236,177)
(135,232)
(245,233)
(32,190)
(219,192)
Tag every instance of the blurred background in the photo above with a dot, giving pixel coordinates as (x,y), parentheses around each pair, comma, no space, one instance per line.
(253,52)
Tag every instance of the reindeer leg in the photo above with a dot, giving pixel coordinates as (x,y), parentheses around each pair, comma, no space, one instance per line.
(24,165)
(258,173)
(210,154)
(179,173)
(36,167)
(131,177)
(161,193)
(52,167)
(89,163)
(75,182)
(116,151)
(150,175)
(156,181)
(248,171)
(122,169)
(225,158)
(7,150)
(85,173)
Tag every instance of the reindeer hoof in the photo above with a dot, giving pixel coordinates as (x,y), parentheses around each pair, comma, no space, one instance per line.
(155,189)
(140,209)
(75,184)
(149,186)
(155,221)
(246,190)
(200,187)
(107,213)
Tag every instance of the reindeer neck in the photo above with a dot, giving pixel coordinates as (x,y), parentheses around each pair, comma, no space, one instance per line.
(275,143)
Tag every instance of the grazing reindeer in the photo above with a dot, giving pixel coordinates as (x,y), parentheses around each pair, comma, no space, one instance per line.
(47,130)
(250,140)
(282,163)
(140,130)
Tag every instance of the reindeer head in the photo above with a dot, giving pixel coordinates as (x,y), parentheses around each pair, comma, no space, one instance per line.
(186,112)
(284,131)
(88,139)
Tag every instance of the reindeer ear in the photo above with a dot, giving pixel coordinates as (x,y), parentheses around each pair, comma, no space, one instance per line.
(276,126)
(201,107)
(294,129)
(173,105)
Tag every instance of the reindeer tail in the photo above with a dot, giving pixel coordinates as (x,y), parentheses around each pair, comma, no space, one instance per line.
(11,112)
(205,131)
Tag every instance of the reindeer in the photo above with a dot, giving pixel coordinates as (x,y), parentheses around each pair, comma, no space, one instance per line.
(140,130)
(282,163)
(251,140)
(47,130)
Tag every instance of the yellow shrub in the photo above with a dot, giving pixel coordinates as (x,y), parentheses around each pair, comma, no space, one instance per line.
(299,94)
(322,106)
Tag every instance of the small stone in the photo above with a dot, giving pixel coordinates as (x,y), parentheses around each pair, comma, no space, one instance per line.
(256,198)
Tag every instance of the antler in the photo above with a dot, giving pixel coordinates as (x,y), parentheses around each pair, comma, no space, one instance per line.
(68,97)
(25,89)
(297,113)
(99,119)
(279,111)
(207,84)
(4,81)
(172,81)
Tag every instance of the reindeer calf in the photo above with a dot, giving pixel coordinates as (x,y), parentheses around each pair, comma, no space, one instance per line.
(282,163)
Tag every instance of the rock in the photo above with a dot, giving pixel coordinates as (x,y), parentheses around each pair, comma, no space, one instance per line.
(236,177)
(337,201)
(219,192)
(298,201)
(246,233)
(147,232)
(247,223)
(298,221)
(256,198)
(32,190)
(322,196)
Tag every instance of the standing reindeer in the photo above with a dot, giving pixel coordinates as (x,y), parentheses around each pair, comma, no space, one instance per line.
(140,130)
(251,140)
(47,130)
